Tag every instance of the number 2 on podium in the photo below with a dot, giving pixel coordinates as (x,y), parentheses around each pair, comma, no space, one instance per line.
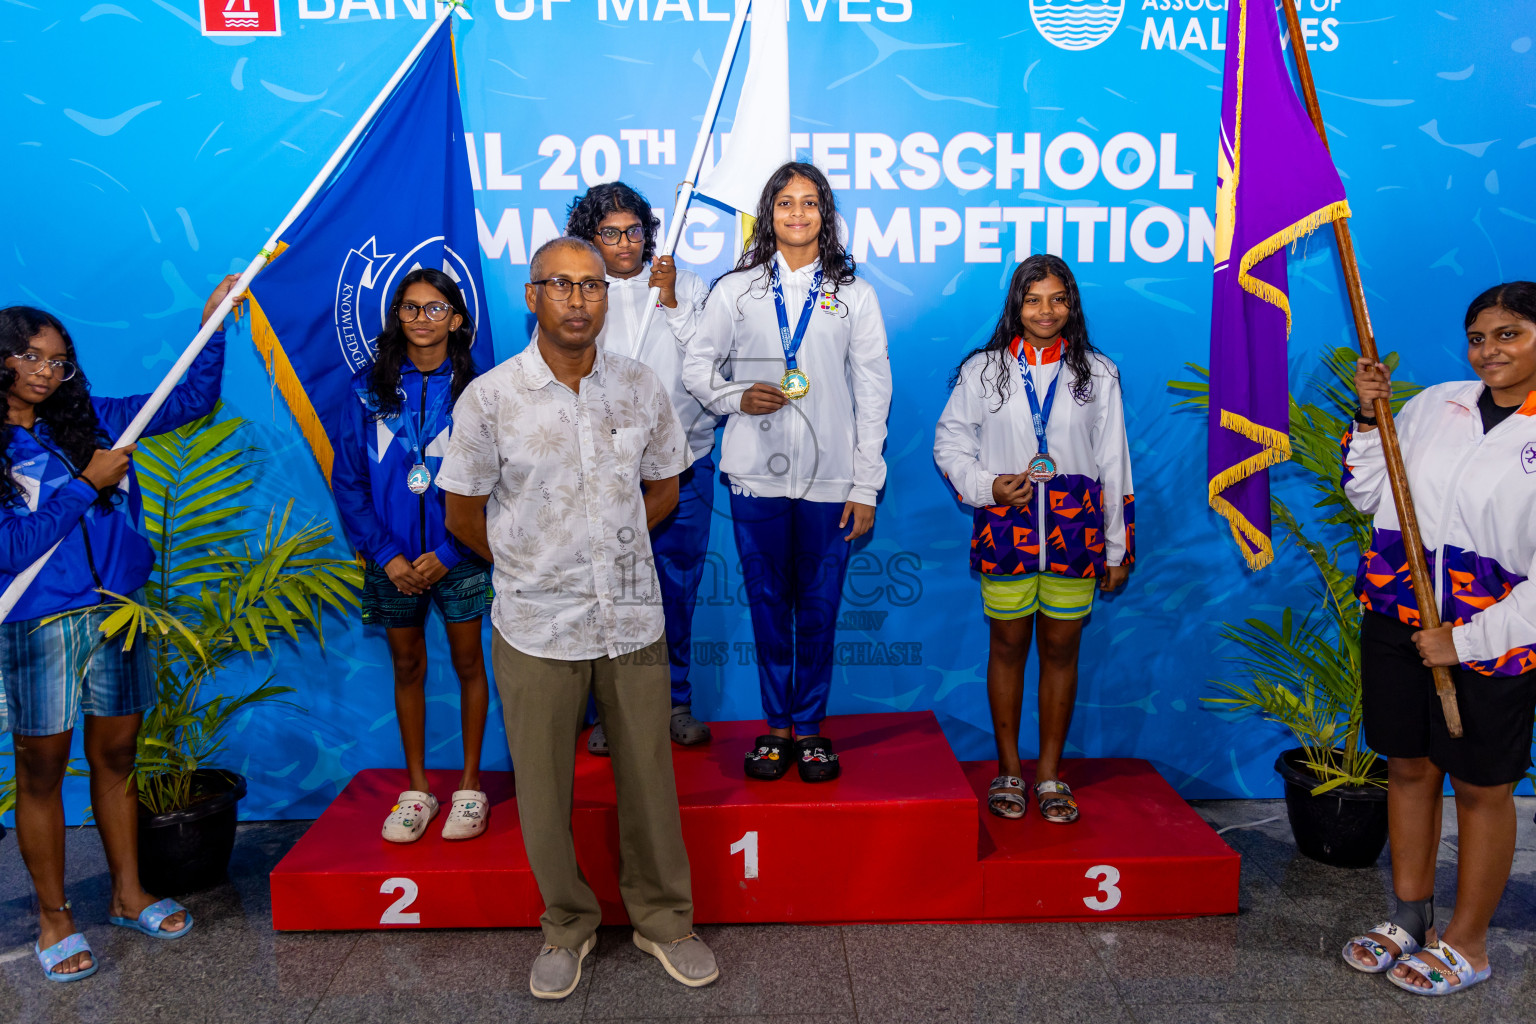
(395,913)
(747,847)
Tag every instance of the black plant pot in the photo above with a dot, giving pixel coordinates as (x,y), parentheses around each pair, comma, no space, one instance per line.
(188,850)
(1345,827)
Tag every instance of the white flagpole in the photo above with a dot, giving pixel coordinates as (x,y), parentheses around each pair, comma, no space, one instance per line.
(700,147)
(20,584)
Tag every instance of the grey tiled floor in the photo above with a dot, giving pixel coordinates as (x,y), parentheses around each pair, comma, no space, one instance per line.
(1277,960)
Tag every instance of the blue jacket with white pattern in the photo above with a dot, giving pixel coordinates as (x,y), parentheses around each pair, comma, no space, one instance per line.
(99,550)
(380,515)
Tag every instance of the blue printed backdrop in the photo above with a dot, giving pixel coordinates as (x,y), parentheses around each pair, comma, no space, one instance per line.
(146,160)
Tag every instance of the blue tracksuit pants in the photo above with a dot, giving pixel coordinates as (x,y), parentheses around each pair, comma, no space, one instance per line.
(679,545)
(793,559)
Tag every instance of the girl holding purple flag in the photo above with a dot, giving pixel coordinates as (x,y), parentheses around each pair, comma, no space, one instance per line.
(1033,439)
(1470,451)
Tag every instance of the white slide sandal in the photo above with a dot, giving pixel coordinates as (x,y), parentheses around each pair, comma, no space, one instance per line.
(409,818)
(468,816)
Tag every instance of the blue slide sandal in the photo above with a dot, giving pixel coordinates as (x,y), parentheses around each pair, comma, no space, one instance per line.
(63,950)
(151,917)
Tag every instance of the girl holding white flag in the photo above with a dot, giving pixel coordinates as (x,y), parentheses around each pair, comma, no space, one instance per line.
(618,221)
(808,390)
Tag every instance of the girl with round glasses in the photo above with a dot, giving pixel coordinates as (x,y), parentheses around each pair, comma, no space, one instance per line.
(61,483)
(391,443)
(619,222)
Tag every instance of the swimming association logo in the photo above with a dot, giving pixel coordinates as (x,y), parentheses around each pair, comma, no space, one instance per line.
(367,282)
(1076,24)
(1528,457)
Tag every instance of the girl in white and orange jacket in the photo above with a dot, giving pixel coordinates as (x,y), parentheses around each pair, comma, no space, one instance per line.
(1470,451)
(1033,439)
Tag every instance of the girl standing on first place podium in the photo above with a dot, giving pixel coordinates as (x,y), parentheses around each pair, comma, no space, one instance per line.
(1033,438)
(802,446)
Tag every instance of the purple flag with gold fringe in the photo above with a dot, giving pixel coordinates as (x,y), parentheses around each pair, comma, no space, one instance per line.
(1276,183)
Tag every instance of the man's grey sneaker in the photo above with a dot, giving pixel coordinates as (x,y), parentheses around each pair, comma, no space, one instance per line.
(688,959)
(557,970)
(687,730)
(597,743)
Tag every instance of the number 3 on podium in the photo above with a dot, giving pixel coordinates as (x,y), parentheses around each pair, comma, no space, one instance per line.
(1109,878)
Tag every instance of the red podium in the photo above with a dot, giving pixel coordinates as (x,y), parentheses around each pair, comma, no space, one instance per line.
(902,836)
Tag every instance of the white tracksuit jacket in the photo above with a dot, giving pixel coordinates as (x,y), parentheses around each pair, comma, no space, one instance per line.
(825,446)
(666,340)
(1475,497)
(1087,512)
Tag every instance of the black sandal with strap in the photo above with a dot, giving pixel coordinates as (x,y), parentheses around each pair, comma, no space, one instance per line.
(1053,795)
(818,762)
(769,758)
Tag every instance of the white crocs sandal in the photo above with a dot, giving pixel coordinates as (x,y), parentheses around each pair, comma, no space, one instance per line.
(408,819)
(468,816)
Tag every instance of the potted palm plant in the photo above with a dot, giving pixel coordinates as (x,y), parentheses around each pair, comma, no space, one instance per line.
(225,586)
(1304,672)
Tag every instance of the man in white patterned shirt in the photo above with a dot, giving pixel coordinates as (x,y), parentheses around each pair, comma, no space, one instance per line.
(562,459)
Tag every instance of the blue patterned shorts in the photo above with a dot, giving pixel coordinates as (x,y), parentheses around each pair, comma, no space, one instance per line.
(54,672)
(462,596)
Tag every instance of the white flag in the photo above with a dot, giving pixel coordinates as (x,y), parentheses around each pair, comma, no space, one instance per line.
(759,138)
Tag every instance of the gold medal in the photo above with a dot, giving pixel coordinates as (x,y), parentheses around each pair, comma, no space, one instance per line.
(795,384)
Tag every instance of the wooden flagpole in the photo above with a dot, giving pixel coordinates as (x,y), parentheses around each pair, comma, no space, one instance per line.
(1397,473)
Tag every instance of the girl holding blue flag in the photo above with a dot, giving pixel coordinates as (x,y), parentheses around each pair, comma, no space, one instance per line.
(807,396)
(392,442)
(1033,439)
(59,484)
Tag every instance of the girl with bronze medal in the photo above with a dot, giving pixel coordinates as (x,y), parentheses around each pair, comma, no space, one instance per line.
(388,450)
(1039,397)
(802,455)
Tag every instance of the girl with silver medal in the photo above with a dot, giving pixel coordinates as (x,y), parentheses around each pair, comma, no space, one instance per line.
(803,455)
(392,511)
(1039,396)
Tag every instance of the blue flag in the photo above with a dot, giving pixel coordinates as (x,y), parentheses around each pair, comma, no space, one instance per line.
(402,200)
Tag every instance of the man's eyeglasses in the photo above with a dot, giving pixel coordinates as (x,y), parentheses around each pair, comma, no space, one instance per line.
(407,311)
(35,364)
(610,236)
(560,289)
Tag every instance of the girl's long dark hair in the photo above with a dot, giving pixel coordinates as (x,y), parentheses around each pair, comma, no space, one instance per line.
(587,212)
(837,266)
(1519,297)
(997,375)
(68,413)
(384,377)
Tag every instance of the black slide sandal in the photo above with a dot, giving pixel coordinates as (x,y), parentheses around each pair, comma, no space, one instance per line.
(768,759)
(818,762)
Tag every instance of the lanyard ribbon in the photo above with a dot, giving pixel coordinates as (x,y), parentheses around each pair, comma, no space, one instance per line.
(411,425)
(792,344)
(1040,416)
